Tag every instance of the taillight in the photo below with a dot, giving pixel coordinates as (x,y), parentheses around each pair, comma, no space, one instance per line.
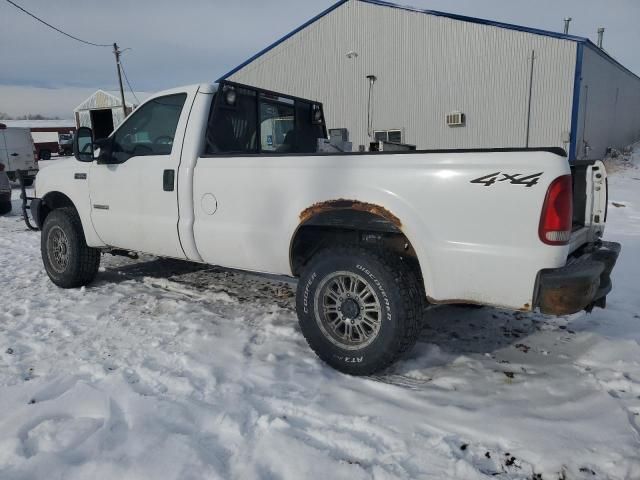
(557,212)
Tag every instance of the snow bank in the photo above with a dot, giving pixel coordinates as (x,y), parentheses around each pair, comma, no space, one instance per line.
(171,370)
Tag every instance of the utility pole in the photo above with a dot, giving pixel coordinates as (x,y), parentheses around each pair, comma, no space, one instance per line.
(117,53)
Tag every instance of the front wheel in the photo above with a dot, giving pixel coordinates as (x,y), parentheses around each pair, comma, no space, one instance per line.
(69,262)
(359,309)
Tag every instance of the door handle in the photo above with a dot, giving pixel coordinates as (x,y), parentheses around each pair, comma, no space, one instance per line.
(168,179)
(14,154)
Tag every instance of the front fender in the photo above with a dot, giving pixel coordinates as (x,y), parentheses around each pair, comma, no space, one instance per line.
(69,179)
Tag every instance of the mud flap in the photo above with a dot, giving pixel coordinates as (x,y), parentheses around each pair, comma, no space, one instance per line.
(26,201)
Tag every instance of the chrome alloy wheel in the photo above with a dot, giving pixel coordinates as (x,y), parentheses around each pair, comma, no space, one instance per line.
(58,249)
(348,310)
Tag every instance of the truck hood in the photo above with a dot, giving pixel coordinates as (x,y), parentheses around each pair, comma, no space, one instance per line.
(59,172)
(61,165)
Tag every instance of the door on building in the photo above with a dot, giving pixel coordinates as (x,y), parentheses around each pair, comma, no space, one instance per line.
(102,123)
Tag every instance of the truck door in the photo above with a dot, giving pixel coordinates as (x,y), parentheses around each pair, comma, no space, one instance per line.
(134,202)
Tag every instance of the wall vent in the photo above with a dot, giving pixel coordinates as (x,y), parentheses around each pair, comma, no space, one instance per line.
(456,119)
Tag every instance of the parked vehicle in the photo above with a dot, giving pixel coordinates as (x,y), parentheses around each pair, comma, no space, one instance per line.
(17,152)
(5,192)
(374,238)
(65,144)
(46,143)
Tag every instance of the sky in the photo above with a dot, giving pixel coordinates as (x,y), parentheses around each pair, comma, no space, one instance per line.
(192,41)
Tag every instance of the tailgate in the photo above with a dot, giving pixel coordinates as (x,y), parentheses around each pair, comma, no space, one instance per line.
(589,202)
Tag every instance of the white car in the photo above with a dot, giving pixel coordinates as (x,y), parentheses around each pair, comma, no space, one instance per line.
(374,238)
(18,153)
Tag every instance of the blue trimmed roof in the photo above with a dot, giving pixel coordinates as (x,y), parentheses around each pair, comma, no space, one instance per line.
(286,37)
(481,21)
(436,13)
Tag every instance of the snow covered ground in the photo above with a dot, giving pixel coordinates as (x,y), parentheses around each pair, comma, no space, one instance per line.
(168,370)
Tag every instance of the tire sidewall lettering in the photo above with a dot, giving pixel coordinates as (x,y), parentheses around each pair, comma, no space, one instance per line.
(380,288)
(307,292)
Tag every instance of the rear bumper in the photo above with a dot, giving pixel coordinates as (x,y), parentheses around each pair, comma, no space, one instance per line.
(581,284)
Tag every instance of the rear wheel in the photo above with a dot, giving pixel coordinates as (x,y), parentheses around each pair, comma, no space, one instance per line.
(69,262)
(28,182)
(45,155)
(359,309)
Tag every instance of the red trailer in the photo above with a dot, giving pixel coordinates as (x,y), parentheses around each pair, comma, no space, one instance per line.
(47,140)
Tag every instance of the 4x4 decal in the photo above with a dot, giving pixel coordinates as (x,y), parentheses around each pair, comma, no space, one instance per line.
(514,179)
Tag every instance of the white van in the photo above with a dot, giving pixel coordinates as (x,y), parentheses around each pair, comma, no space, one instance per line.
(17,152)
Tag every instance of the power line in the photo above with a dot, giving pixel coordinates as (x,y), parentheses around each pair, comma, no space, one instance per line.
(116,51)
(55,28)
(127,80)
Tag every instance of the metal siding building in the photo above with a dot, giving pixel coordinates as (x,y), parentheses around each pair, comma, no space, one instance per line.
(609,105)
(429,64)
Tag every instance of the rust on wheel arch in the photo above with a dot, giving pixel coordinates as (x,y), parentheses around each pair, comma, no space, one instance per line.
(343,204)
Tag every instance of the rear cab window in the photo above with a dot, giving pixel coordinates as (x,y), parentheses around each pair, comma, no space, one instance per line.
(248,121)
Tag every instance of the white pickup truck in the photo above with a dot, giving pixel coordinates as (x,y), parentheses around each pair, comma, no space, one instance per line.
(230,175)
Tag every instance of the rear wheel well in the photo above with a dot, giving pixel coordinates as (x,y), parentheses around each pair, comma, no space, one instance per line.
(340,226)
(311,239)
(52,201)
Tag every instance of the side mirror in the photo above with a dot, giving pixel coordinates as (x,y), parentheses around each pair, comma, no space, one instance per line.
(83,145)
(102,148)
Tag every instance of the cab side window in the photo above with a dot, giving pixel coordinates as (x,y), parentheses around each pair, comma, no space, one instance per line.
(150,129)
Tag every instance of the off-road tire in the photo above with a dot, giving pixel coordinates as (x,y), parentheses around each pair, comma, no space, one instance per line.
(82,261)
(397,286)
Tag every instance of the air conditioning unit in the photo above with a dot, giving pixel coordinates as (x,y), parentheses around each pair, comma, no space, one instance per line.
(339,134)
(456,119)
